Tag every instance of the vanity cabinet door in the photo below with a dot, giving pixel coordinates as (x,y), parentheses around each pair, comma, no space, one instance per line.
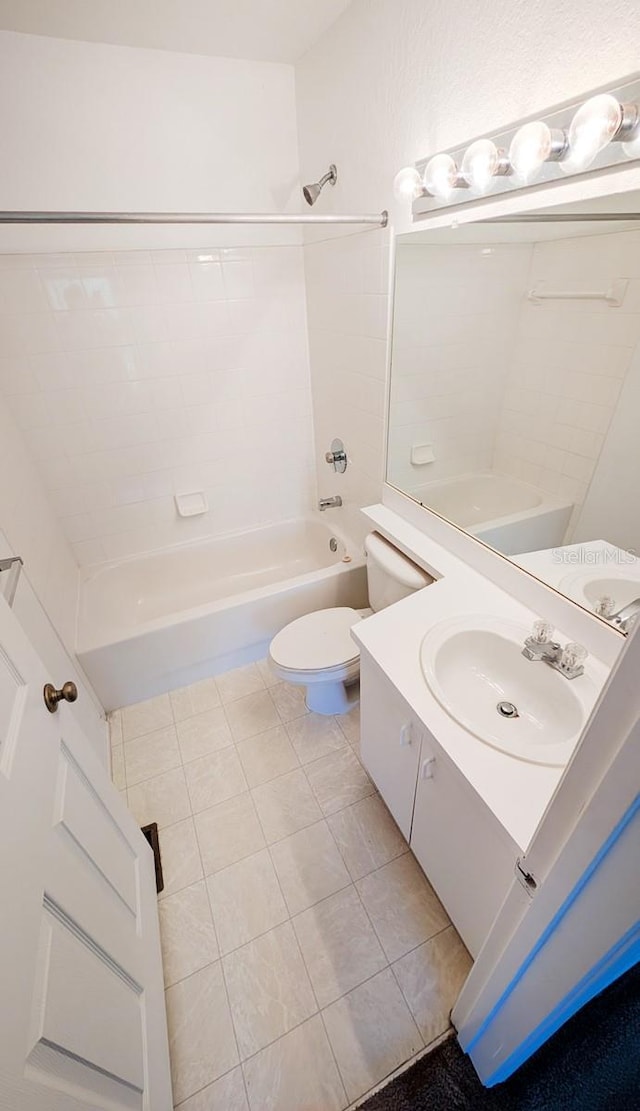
(466,855)
(390,737)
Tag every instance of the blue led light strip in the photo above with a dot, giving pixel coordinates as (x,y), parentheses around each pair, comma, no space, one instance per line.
(550,929)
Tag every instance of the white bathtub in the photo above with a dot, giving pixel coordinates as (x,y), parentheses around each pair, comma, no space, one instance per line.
(508,514)
(149,624)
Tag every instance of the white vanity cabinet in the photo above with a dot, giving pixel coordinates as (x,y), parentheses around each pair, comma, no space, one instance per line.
(390,739)
(467,855)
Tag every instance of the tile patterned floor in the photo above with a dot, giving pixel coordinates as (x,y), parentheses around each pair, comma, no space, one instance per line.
(305,955)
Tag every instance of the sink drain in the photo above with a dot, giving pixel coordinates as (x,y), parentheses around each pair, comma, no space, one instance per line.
(507,710)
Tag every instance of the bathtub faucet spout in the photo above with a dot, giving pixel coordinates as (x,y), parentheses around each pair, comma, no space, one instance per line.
(330,503)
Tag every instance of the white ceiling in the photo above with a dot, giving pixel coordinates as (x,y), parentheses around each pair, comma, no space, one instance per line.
(262,30)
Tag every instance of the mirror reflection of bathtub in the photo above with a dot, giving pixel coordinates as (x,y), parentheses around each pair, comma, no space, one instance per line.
(510,515)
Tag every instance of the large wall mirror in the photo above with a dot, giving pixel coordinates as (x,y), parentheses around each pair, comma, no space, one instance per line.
(515,391)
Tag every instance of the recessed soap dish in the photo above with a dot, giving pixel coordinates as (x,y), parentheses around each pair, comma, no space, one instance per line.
(191,505)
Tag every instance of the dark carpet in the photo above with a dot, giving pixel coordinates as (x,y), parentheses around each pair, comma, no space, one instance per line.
(591,1064)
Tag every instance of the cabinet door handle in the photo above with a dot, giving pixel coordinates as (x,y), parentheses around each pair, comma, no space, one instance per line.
(405,734)
(428,768)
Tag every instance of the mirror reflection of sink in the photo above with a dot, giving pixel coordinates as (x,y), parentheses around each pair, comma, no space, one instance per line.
(475,668)
(587,587)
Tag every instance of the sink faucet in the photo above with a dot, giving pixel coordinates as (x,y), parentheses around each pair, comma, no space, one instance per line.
(626,616)
(330,503)
(568,660)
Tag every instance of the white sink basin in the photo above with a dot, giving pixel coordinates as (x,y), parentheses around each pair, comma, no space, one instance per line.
(475,663)
(588,586)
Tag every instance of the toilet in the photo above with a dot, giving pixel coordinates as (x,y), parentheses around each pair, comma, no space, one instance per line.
(317,651)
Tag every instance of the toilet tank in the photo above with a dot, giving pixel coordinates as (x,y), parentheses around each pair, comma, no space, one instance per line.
(391,575)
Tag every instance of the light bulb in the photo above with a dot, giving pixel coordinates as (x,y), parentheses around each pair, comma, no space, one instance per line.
(479,164)
(440,176)
(592,128)
(533,145)
(407,184)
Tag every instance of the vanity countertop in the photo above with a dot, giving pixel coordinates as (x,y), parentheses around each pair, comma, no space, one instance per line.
(516,791)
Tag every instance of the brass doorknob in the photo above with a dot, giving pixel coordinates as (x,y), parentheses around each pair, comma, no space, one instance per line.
(67,693)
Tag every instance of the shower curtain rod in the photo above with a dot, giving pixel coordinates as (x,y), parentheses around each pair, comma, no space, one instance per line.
(380,219)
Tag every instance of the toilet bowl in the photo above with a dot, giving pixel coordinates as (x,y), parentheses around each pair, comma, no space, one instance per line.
(317,650)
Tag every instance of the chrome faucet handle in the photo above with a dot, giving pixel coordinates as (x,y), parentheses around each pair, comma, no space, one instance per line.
(542,632)
(539,645)
(605,606)
(572,659)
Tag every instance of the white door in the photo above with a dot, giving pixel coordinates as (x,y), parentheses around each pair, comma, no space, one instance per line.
(81,993)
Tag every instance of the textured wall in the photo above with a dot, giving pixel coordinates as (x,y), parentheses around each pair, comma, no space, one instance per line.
(89,126)
(390,82)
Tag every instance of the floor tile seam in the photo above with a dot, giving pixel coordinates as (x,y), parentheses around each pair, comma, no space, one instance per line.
(406,1002)
(360,1101)
(371,923)
(174,690)
(296,1026)
(392,965)
(143,736)
(224,982)
(256,937)
(344,996)
(203,879)
(381,969)
(245,856)
(194,972)
(178,1106)
(343,731)
(212,752)
(329,813)
(356,879)
(335,1060)
(252,1056)
(166,772)
(264,686)
(364,906)
(372,870)
(314,759)
(146,732)
(245,1060)
(414,948)
(149,777)
(340,809)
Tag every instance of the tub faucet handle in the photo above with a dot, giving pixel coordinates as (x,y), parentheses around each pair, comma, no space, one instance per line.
(337,457)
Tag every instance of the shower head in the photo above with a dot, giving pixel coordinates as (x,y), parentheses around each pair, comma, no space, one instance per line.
(312,192)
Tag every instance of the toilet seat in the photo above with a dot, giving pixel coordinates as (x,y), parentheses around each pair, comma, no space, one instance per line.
(318,642)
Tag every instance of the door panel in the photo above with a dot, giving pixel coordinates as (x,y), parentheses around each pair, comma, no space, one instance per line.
(82,1004)
(86,820)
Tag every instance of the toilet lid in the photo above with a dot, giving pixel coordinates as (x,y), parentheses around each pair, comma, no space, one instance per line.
(317,640)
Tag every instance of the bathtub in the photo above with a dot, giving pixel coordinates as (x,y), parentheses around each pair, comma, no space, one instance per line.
(505,513)
(152,623)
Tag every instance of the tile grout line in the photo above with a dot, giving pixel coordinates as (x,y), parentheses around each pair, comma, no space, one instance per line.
(290,916)
(360,1100)
(219,961)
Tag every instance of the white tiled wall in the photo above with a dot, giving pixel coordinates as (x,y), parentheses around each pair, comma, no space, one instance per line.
(569,363)
(455,318)
(32,531)
(138,375)
(347,305)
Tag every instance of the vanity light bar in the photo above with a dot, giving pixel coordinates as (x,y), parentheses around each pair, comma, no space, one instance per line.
(579,137)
